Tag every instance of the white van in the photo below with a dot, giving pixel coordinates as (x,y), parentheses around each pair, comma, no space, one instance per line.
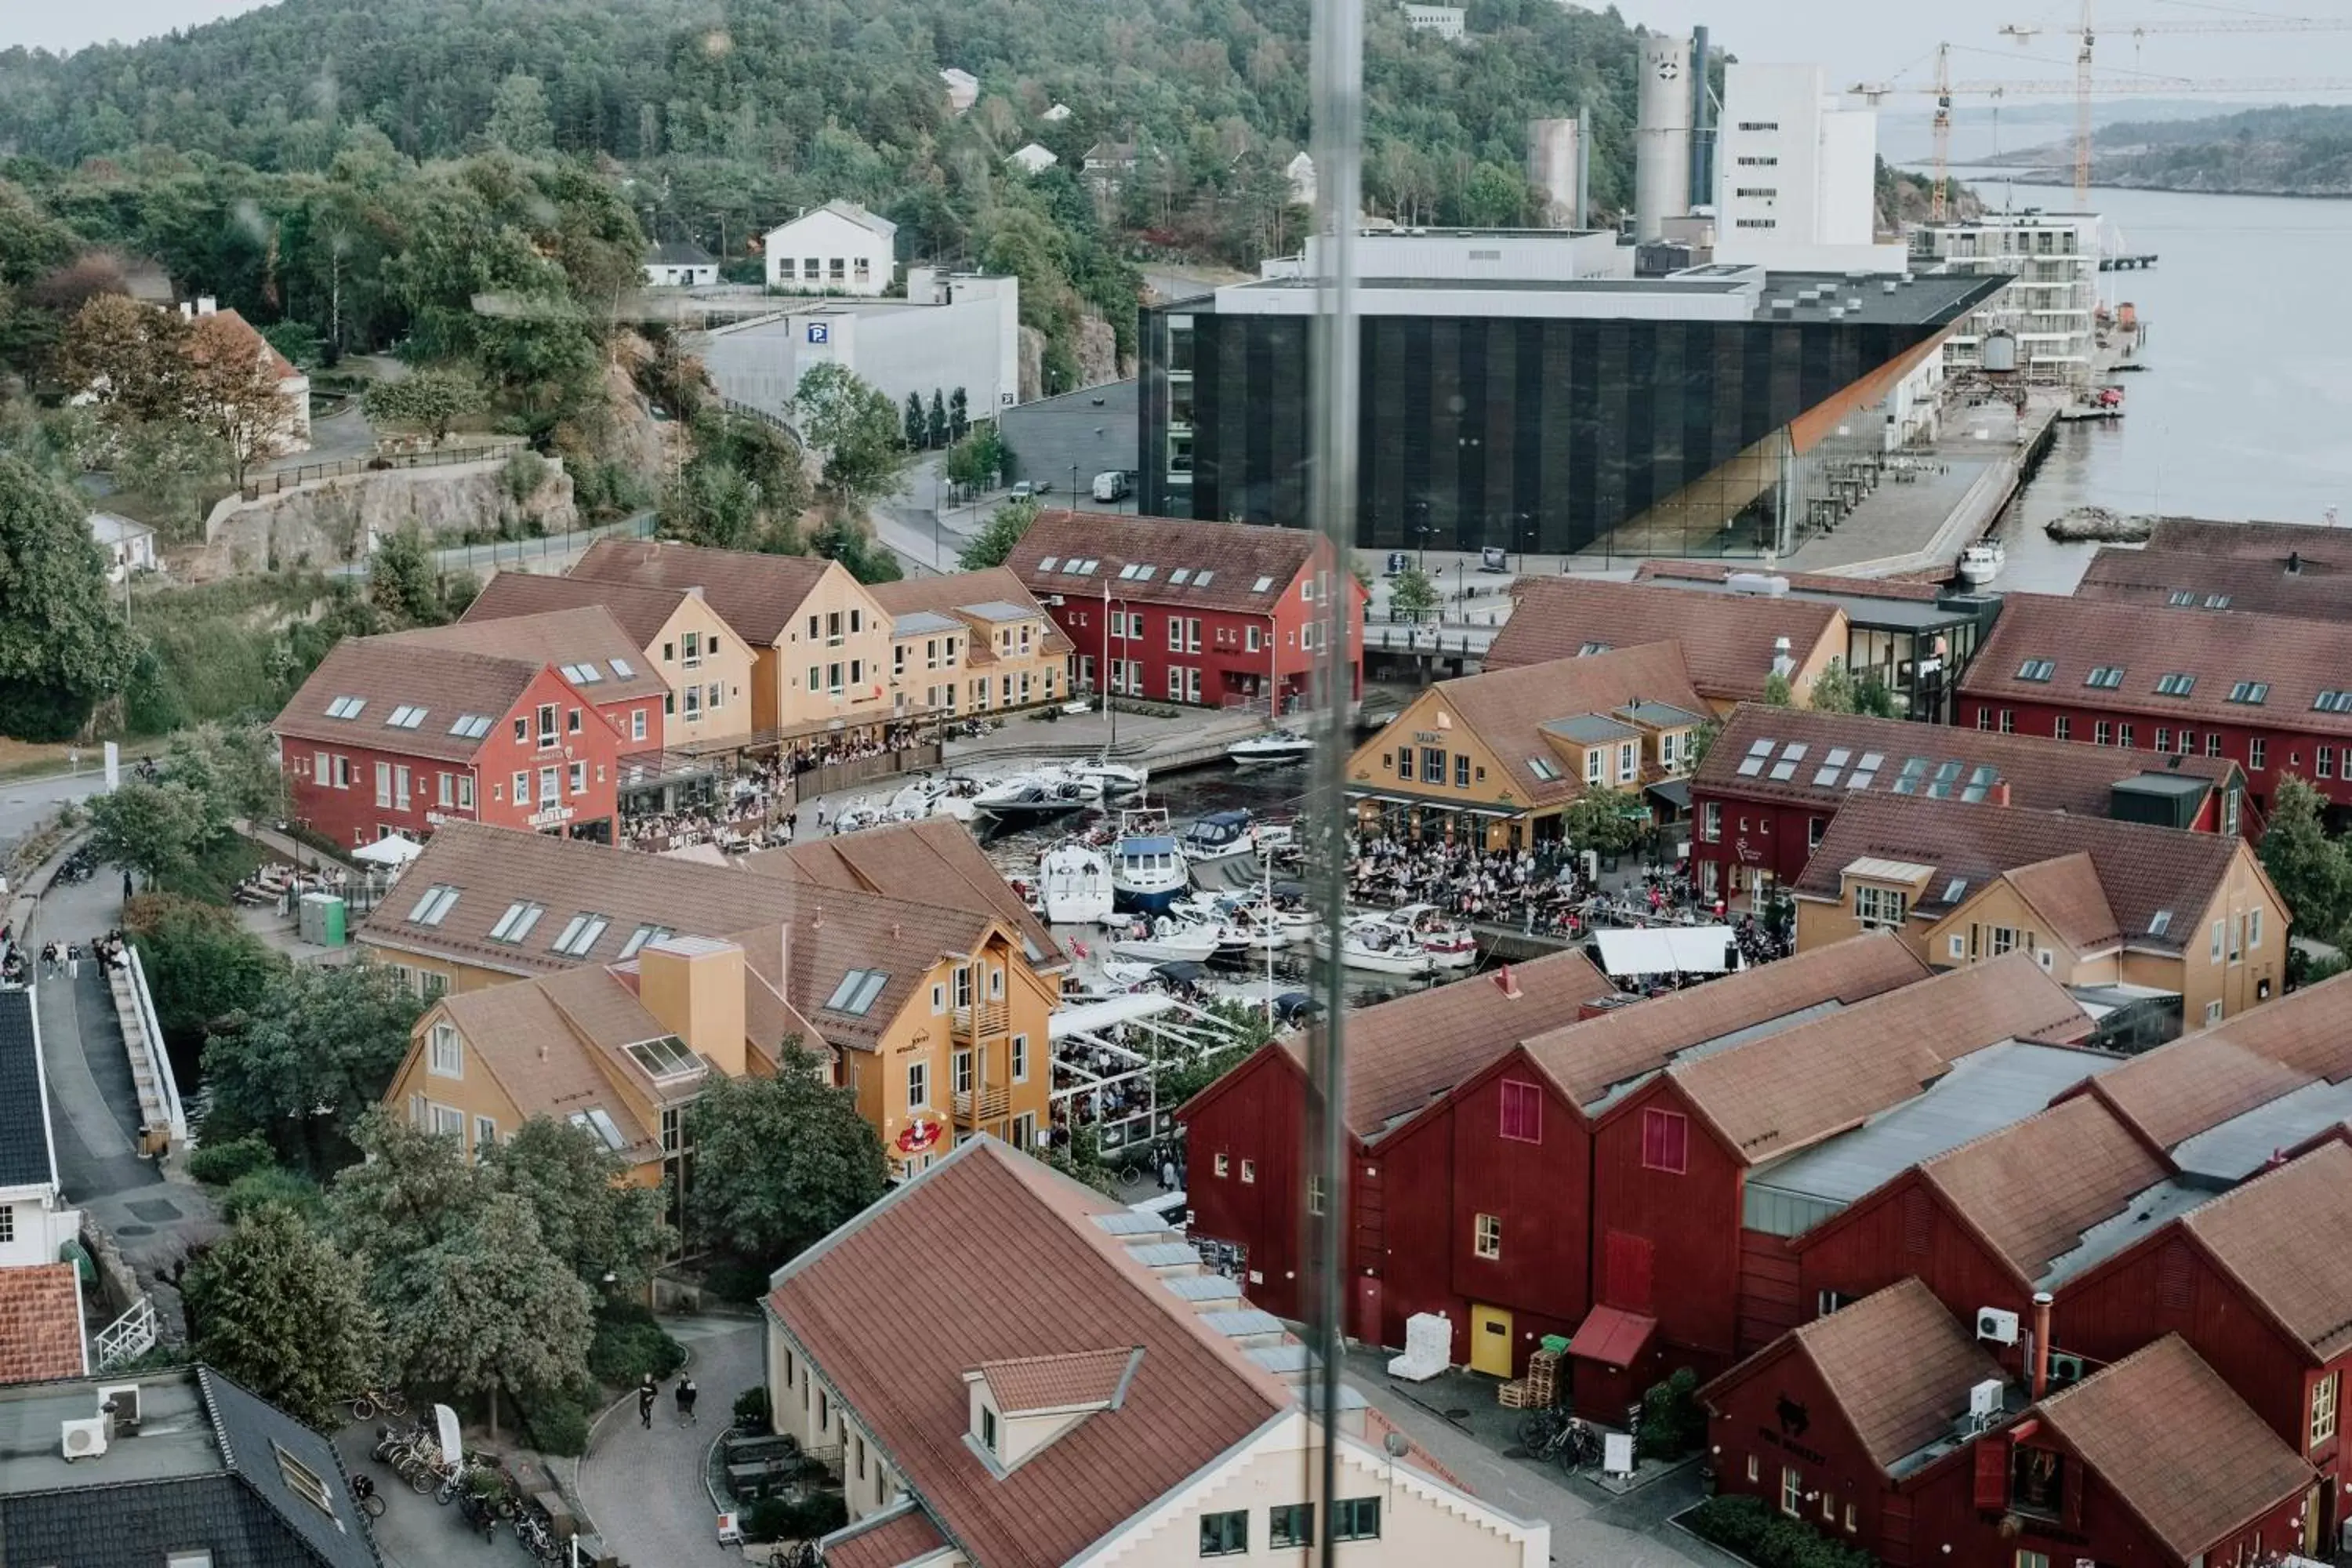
(1111,485)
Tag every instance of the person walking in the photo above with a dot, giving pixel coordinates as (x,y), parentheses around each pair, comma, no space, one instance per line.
(645,1401)
(73,961)
(686,1393)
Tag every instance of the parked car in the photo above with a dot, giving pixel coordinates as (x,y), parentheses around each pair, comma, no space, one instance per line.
(1022,491)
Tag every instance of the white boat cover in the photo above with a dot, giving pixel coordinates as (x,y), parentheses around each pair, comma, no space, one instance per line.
(1664,950)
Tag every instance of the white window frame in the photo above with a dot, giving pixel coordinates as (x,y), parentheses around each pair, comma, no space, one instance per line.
(445,1051)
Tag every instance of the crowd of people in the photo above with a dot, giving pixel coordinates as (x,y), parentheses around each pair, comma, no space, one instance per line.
(747,812)
(824,751)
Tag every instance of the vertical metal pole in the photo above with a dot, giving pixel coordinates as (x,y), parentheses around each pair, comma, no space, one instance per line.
(1338,73)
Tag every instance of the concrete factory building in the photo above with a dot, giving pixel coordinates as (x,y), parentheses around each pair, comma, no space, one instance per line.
(1797,174)
(1552,411)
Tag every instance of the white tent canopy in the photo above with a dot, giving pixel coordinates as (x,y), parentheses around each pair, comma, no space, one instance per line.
(1668,950)
(392,851)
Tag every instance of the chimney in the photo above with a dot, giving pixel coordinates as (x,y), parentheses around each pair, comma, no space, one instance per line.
(1783,665)
(1999,794)
(187,311)
(694,986)
(1508,983)
(2041,1342)
(207,305)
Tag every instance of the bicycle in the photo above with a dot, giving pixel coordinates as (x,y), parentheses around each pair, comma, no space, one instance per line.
(364,1497)
(369,1403)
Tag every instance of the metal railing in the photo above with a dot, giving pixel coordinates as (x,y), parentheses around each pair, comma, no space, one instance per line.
(256,486)
(131,1334)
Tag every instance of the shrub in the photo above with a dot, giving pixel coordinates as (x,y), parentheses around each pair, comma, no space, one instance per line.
(220,1164)
(735,1279)
(1752,1529)
(783,1519)
(629,1345)
(270,1185)
(525,471)
(753,1413)
(1672,1422)
(555,1424)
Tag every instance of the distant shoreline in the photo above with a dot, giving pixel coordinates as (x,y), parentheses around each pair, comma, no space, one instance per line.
(2035,174)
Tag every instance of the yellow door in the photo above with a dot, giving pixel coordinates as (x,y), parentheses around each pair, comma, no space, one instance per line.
(1490,1340)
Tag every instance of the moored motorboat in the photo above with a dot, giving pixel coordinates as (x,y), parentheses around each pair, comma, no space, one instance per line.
(1074,885)
(1148,870)
(1274,746)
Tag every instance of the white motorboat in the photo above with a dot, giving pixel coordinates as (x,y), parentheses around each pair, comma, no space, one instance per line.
(1981,563)
(1449,944)
(1376,946)
(1030,797)
(1164,940)
(1074,885)
(1148,871)
(1274,746)
(1219,833)
(1110,779)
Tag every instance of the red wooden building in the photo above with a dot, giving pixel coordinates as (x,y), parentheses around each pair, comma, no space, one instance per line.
(394,736)
(1768,786)
(2273,693)
(588,646)
(1213,614)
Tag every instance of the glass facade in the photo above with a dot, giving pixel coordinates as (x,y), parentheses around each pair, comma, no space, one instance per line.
(1655,437)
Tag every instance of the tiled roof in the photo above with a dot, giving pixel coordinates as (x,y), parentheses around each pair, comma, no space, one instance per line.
(1727,639)
(2190,1085)
(1899,1366)
(586,637)
(1507,709)
(2182,1452)
(2065,891)
(279,365)
(887,1540)
(956,591)
(2288,1238)
(1038,1277)
(2033,1189)
(755,594)
(1778,1094)
(527,1044)
(936,857)
(40,1323)
(2222,649)
(1918,759)
(386,674)
(2317,590)
(251,1433)
(1588,1057)
(1668,570)
(1404,1053)
(1233,557)
(642,612)
(2144,871)
(26,1158)
(2254,540)
(1057,1382)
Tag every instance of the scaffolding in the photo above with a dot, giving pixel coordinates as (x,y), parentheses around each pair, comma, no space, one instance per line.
(1104,1046)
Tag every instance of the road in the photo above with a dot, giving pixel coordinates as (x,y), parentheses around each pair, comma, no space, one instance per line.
(923,538)
(25,802)
(549,552)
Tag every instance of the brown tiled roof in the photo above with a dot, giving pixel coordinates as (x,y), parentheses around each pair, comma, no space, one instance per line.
(2318,589)
(584,634)
(2191,1085)
(954,595)
(884,1541)
(1505,708)
(1588,1057)
(389,673)
(1676,571)
(526,1042)
(2143,870)
(937,857)
(1057,1382)
(1776,1095)
(1899,1366)
(2176,1447)
(2286,1236)
(279,365)
(2254,540)
(1404,1053)
(757,596)
(1037,1276)
(642,612)
(40,1323)
(2043,774)
(2031,1189)
(2065,890)
(1235,555)
(1727,639)
(2299,658)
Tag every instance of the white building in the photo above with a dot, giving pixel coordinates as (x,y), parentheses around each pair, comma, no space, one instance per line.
(130,546)
(1491,255)
(949,330)
(41,1332)
(681,266)
(2050,305)
(1032,158)
(837,249)
(1796,174)
(1056,114)
(963,89)
(1445,21)
(1105,1399)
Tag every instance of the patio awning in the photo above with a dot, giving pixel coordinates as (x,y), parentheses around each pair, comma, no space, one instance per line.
(1668,950)
(1674,791)
(1612,1336)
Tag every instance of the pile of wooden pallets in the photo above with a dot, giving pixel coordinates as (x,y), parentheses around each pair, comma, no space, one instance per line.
(1537,1390)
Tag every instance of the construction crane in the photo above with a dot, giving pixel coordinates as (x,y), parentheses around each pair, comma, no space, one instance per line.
(2085,32)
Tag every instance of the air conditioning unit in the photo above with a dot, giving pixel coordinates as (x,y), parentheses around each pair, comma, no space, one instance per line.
(1996,1325)
(120,1400)
(84,1439)
(1984,1399)
(2065,1369)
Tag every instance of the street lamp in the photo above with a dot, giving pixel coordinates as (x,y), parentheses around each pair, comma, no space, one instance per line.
(935,520)
(1074,487)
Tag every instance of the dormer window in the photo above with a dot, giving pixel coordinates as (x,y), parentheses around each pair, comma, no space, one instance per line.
(1019,1408)
(988,1429)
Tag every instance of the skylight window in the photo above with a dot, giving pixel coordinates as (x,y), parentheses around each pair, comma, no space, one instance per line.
(346,707)
(1262,584)
(642,935)
(580,934)
(1914,771)
(1126,573)
(433,907)
(2106,676)
(1954,888)
(1981,782)
(2037,670)
(665,1058)
(856,991)
(583,673)
(405,717)
(1589,649)
(2181,598)
(1201,579)
(2253,693)
(1542,769)
(1177,578)
(515,924)
(2160,923)
(470,726)
(1048,562)
(1143,573)
(622,669)
(596,1119)
(2176,684)
(2332,702)
(2217,601)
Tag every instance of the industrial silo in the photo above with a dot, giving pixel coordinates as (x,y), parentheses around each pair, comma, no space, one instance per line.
(1662,135)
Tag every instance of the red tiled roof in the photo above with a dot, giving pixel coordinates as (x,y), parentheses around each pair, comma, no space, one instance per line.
(884,1541)
(1727,639)
(40,1323)
(2182,1452)
(2286,1236)
(1035,1275)
(1057,1382)
(585,635)
(2042,775)
(936,859)
(642,612)
(2222,650)
(279,365)
(1234,557)
(1899,1366)
(2317,590)
(2065,890)
(1507,708)
(2031,1189)
(1674,571)
(756,595)
(390,672)
(2191,1085)
(2254,540)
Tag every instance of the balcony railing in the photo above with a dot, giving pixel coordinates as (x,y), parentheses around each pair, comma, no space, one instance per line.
(982,1021)
(988,1105)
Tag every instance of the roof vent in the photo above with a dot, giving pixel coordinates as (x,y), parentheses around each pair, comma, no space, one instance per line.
(1837,312)
(1889,287)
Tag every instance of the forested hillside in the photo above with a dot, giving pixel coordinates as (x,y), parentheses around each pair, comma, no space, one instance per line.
(2303,149)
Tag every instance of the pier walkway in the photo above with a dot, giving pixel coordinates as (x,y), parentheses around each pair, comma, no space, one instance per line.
(1900,530)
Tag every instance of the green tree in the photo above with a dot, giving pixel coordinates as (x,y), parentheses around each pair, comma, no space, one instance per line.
(312,1057)
(410,1191)
(1411,595)
(154,830)
(132,358)
(2311,870)
(977,457)
(1778,693)
(201,962)
(1604,819)
(175,467)
(405,582)
(232,393)
(936,429)
(234,767)
(1837,689)
(857,430)
(958,415)
(609,1232)
(519,121)
(63,644)
(277,1306)
(430,400)
(994,544)
(1699,742)
(914,434)
(780,1163)
(860,554)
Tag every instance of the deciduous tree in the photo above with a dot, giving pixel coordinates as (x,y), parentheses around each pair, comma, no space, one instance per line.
(2311,870)
(152,828)
(780,1161)
(200,963)
(1411,595)
(63,644)
(275,1305)
(132,358)
(429,400)
(313,1056)
(603,1228)
(977,457)
(233,391)
(994,544)
(857,430)
(1604,819)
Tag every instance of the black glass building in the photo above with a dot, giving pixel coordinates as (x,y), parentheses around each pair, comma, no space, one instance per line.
(1698,414)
